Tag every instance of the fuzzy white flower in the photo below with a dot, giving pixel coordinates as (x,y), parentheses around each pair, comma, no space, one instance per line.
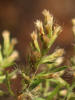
(39,26)
(14,76)
(59,52)
(6,35)
(35,41)
(13,56)
(48,17)
(57,30)
(63,92)
(59,60)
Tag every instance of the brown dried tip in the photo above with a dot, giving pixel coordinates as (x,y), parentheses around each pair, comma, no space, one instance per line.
(36,54)
(14,41)
(46,39)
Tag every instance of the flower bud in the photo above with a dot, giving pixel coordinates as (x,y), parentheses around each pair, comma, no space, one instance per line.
(59,60)
(39,26)
(14,41)
(13,56)
(6,36)
(35,41)
(34,36)
(59,52)
(73,22)
(63,92)
(57,30)
(48,17)
(46,39)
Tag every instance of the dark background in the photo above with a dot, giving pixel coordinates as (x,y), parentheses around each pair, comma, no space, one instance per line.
(18,17)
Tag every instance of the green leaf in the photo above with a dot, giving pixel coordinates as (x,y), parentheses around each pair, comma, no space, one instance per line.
(7,64)
(53,93)
(8,84)
(52,57)
(72,98)
(54,36)
(2,93)
(38,98)
(37,45)
(58,69)
(35,83)
(2,78)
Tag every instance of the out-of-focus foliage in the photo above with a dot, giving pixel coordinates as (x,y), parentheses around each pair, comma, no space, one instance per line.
(7,57)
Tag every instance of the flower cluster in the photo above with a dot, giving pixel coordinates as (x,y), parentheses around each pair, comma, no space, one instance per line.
(7,58)
(43,38)
(7,53)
